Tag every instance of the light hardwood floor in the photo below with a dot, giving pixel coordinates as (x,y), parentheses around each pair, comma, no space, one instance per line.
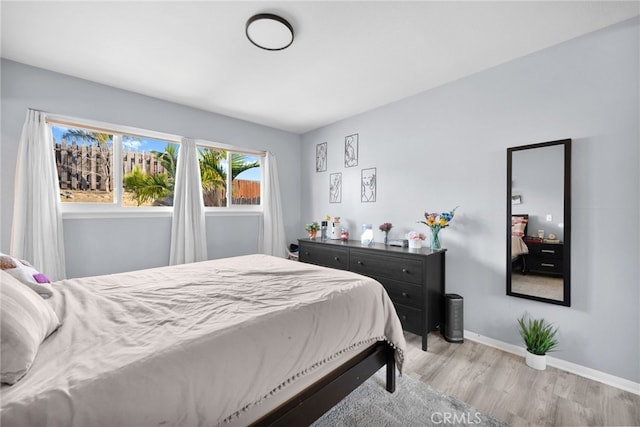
(500,384)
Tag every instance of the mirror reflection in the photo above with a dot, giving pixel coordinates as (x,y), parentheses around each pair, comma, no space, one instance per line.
(538,222)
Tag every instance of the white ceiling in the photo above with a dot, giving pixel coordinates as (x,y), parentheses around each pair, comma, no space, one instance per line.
(347,57)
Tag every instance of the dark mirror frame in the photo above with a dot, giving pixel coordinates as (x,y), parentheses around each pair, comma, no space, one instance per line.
(566,274)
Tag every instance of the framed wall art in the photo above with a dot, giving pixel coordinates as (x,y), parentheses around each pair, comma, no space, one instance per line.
(321,157)
(368,187)
(335,188)
(351,151)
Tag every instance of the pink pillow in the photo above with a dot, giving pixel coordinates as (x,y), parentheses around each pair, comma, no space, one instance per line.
(518,224)
(25,273)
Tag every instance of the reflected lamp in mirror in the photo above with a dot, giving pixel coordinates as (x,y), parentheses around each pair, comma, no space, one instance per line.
(539,226)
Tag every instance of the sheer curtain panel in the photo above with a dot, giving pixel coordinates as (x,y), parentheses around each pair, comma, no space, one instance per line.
(273,236)
(36,233)
(188,232)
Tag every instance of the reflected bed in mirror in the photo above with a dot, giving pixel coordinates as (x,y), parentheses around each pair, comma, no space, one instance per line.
(539,221)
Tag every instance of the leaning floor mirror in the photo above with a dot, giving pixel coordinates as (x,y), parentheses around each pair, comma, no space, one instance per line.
(539,222)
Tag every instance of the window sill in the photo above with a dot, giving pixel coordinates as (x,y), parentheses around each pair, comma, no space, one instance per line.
(113,213)
(152,213)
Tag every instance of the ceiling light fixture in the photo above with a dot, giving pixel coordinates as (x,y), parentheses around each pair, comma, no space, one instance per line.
(269,32)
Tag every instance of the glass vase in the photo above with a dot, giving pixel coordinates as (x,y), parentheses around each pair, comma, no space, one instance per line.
(435,240)
(386,238)
(366,238)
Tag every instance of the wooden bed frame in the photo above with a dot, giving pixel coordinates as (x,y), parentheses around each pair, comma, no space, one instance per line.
(311,403)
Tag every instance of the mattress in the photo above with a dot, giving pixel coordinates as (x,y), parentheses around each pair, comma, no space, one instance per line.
(206,343)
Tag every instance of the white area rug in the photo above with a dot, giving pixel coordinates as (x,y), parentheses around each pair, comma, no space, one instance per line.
(414,403)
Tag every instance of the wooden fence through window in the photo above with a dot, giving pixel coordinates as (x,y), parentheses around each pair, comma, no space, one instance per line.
(89,167)
(245,192)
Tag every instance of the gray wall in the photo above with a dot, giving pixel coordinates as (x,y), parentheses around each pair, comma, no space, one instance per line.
(447,147)
(126,243)
(538,177)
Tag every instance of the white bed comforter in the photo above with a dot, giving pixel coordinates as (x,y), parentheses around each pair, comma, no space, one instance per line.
(518,247)
(194,344)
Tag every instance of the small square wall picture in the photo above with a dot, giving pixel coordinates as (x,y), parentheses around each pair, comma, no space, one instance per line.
(351,151)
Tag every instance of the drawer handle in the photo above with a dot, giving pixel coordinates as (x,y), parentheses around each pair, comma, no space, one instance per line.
(404,270)
(548,251)
(404,294)
(404,317)
(306,253)
(336,258)
(547,265)
(359,262)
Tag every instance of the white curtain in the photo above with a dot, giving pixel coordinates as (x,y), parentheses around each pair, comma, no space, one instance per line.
(188,232)
(273,240)
(36,234)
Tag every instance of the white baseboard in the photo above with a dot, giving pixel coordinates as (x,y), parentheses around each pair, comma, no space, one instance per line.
(583,371)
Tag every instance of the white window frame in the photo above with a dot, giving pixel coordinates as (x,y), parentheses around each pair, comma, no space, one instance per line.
(115,209)
(230,149)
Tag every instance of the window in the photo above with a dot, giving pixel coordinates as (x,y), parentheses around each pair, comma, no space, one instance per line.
(246,177)
(244,180)
(86,160)
(148,171)
(104,167)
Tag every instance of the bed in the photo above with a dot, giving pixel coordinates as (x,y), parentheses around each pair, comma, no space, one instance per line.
(236,341)
(519,248)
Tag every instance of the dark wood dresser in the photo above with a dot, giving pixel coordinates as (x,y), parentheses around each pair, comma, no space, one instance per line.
(413,278)
(544,258)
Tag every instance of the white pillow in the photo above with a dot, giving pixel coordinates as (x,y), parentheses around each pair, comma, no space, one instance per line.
(24,272)
(26,321)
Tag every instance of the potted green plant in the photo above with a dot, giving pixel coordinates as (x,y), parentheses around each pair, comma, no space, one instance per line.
(312,229)
(540,338)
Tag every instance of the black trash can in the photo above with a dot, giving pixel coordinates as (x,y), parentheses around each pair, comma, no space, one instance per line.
(453,318)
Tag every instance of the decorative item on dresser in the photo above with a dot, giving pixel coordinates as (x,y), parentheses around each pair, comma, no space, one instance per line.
(414,279)
(436,222)
(312,229)
(415,239)
(386,228)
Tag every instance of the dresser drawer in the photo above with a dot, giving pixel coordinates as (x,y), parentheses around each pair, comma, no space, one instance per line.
(410,318)
(545,250)
(385,266)
(403,293)
(325,256)
(544,265)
